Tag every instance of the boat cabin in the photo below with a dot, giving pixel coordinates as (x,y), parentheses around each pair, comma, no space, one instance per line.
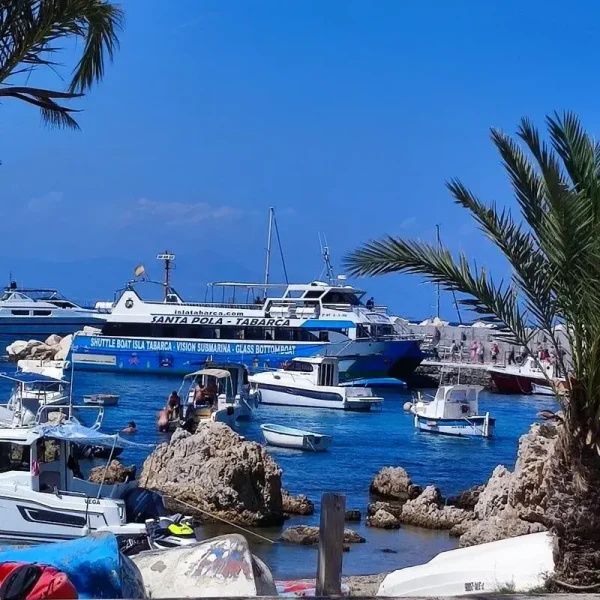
(215,385)
(321,371)
(454,402)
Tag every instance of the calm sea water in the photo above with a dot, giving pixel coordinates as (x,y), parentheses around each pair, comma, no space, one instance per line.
(362,444)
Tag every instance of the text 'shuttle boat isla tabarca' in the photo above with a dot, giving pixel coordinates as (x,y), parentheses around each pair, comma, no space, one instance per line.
(306,320)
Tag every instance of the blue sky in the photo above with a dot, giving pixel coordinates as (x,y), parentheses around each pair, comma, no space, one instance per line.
(346,116)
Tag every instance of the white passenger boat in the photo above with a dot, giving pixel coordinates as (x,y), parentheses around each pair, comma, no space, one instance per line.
(516,565)
(314,383)
(289,437)
(43,496)
(453,411)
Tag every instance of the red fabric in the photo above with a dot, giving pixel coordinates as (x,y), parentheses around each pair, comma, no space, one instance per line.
(52,583)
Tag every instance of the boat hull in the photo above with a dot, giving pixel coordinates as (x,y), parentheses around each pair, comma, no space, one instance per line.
(467,427)
(300,441)
(357,359)
(512,383)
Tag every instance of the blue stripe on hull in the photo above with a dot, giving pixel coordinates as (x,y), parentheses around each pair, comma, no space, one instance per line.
(100,353)
(326,396)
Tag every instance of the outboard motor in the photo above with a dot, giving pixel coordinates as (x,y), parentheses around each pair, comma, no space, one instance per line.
(141,505)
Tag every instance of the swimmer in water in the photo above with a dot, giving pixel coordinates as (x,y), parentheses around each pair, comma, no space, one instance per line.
(131,428)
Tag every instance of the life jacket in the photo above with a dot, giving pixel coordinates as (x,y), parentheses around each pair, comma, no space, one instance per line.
(30,581)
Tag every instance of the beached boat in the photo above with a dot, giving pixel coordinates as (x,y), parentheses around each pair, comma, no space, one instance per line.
(93,564)
(520,379)
(453,411)
(312,383)
(519,564)
(298,439)
(101,399)
(221,567)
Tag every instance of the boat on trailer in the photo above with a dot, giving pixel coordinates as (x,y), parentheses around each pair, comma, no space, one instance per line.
(298,439)
(454,410)
(312,383)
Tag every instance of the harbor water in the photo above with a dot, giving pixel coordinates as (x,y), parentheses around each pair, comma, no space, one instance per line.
(362,444)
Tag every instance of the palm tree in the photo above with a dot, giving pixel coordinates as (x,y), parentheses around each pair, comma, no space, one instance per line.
(554,254)
(31,34)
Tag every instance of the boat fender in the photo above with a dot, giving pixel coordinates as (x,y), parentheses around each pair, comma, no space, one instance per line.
(22,581)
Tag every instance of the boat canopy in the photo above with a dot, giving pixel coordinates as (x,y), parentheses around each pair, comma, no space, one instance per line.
(76,433)
(25,377)
(218,373)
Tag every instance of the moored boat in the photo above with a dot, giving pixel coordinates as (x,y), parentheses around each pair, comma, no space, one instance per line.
(454,410)
(298,439)
(312,383)
(101,399)
(520,379)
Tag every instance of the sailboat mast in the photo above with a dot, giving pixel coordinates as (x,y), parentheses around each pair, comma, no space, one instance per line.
(269,238)
(437,302)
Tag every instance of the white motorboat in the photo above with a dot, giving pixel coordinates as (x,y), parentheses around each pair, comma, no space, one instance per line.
(453,411)
(313,383)
(220,392)
(520,379)
(101,399)
(43,496)
(298,439)
(519,564)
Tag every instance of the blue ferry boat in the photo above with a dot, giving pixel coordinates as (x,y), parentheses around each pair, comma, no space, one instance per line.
(265,332)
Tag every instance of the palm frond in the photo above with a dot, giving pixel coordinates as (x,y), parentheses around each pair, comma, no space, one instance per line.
(31,33)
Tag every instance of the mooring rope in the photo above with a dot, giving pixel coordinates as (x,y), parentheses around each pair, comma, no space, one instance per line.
(262,537)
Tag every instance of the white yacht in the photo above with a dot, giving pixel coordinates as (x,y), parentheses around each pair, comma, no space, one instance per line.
(313,383)
(37,313)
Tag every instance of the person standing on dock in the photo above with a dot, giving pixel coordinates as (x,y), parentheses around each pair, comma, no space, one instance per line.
(511,356)
(473,350)
(495,351)
(480,352)
(454,350)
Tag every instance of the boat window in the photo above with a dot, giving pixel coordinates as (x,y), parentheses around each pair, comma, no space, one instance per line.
(48,451)
(384,330)
(333,297)
(63,304)
(323,336)
(313,294)
(42,313)
(20,313)
(363,331)
(326,374)
(14,457)
(299,367)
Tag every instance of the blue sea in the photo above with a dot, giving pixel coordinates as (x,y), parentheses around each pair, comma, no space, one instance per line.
(362,444)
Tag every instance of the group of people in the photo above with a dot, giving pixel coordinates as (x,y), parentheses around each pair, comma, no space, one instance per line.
(477,349)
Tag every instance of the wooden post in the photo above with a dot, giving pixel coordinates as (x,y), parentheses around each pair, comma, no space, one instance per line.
(331,545)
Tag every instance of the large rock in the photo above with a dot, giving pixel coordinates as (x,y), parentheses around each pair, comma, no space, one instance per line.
(428,511)
(394,483)
(394,508)
(17,349)
(513,504)
(467,499)
(217,472)
(53,340)
(352,515)
(64,348)
(383,520)
(115,473)
(296,505)
(42,351)
(308,535)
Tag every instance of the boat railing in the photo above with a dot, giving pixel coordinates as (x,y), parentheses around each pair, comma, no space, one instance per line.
(246,306)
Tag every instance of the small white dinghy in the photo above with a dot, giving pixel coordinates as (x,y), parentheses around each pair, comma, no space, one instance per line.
(288,437)
(520,564)
(101,399)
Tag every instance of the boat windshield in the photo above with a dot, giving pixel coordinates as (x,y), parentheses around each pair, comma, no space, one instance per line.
(339,297)
(14,457)
(460,395)
(298,366)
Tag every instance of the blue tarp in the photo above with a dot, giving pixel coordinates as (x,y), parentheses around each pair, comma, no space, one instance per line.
(24,377)
(79,434)
(376,382)
(93,564)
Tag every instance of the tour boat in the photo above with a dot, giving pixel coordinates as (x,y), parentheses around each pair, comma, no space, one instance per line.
(259,325)
(516,565)
(520,379)
(289,437)
(453,411)
(38,313)
(314,383)
(43,497)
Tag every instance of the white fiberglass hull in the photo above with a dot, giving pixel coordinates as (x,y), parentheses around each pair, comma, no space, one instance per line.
(286,395)
(477,426)
(296,439)
(520,564)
